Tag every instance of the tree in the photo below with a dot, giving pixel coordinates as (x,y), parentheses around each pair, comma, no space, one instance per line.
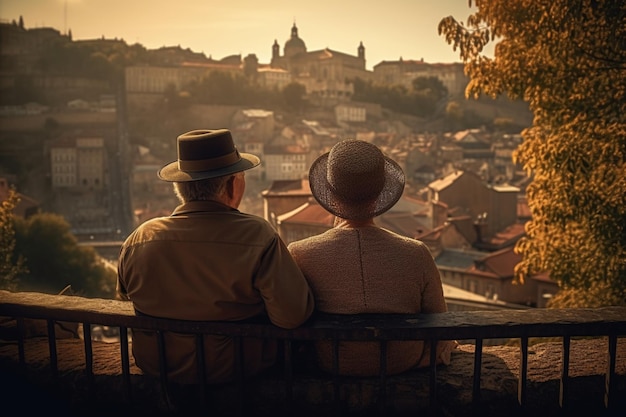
(11,265)
(293,95)
(567,59)
(430,87)
(427,93)
(55,260)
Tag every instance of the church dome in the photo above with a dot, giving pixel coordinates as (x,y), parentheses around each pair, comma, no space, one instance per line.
(294,45)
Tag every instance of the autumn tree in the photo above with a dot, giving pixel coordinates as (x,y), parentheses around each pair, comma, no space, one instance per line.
(11,264)
(567,59)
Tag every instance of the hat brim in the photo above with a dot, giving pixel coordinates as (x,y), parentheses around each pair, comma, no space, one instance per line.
(388,197)
(171,173)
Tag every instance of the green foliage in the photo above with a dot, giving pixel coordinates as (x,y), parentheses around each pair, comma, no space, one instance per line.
(430,88)
(11,264)
(55,260)
(293,94)
(421,100)
(567,59)
(221,87)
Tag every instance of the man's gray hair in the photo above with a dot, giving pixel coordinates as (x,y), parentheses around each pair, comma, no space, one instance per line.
(201,190)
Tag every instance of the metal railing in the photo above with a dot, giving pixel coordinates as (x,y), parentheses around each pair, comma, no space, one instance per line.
(476,326)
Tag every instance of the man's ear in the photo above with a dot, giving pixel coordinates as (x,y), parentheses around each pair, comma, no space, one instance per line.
(230,187)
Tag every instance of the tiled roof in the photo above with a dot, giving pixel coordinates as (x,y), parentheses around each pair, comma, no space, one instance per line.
(508,236)
(296,187)
(405,223)
(458,258)
(500,263)
(308,213)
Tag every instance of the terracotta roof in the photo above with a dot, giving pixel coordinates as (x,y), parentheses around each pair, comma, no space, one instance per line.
(501,263)
(308,213)
(296,187)
(402,223)
(509,235)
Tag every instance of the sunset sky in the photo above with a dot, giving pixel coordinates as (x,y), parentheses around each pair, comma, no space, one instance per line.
(389,29)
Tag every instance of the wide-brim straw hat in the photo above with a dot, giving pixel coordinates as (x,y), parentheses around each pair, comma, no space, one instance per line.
(356,181)
(206,154)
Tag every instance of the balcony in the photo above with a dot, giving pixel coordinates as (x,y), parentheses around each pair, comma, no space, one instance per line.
(51,362)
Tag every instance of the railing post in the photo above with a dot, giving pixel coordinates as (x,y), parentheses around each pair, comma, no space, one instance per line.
(21,335)
(240,374)
(433,376)
(523,372)
(382,407)
(201,368)
(564,383)
(478,360)
(163,370)
(88,358)
(336,384)
(610,385)
(288,363)
(52,345)
(125,363)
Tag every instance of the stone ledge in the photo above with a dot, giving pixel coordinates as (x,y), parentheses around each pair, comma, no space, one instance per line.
(34,388)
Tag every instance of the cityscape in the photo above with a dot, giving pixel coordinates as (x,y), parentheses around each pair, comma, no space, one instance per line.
(98,167)
(512,166)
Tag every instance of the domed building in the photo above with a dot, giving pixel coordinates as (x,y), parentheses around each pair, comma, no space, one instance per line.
(294,45)
(323,72)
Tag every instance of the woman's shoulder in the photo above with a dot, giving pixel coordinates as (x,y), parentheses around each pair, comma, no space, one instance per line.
(329,237)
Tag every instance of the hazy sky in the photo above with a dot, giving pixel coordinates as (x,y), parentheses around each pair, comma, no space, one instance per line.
(389,29)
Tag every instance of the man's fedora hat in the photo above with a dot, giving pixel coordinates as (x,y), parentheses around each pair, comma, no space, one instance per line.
(206,154)
(355,181)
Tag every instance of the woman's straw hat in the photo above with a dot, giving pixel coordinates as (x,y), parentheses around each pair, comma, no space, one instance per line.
(355,181)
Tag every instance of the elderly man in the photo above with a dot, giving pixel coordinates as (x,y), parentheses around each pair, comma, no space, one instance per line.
(209,261)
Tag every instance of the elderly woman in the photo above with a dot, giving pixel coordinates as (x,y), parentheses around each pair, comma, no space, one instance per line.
(358,267)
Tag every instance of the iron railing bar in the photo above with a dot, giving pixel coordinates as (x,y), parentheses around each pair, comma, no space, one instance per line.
(163,370)
(433,376)
(21,335)
(382,409)
(523,372)
(610,383)
(564,382)
(52,345)
(201,368)
(125,363)
(88,358)
(478,362)
(288,374)
(476,325)
(240,374)
(336,382)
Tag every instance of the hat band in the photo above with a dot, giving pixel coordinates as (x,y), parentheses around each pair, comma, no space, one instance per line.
(197,165)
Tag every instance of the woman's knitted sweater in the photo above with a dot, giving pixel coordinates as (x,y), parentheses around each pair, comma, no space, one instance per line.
(368,269)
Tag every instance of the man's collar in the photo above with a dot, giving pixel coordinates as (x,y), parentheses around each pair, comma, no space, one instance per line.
(201,207)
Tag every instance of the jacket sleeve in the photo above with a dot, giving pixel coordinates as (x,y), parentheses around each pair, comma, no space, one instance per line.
(120,288)
(286,293)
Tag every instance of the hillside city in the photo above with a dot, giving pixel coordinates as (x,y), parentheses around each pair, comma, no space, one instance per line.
(84,137)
